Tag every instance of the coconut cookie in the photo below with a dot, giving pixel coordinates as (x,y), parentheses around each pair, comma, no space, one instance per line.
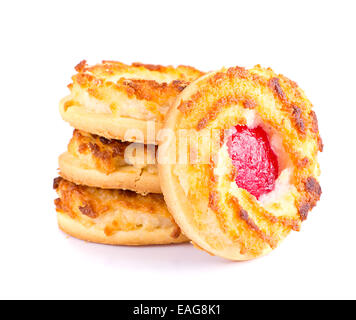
(115,217)
(111,98)
(96,161)
(248,174)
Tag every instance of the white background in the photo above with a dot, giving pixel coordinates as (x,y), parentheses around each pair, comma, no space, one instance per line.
(311,42)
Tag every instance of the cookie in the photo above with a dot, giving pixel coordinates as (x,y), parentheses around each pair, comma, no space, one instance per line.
(125,102)
(249,173)
(107,163)
(114,217)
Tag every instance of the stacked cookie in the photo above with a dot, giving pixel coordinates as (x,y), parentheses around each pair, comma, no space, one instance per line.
(109,190)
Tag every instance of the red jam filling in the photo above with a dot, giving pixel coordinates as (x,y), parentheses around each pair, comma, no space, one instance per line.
(254,159)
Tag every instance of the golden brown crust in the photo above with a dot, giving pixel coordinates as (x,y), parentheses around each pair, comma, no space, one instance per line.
(108,125)
(115,90)
(139,180)
(108,155)
(131,238)
(108,68)
(220,217)
(107,163)
(114,216)
(105,155)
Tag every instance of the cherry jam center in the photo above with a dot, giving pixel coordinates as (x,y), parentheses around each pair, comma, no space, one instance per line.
(254,159)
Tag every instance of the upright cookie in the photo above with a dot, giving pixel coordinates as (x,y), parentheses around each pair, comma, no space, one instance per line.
(110,98)
(115,217)
(249,174)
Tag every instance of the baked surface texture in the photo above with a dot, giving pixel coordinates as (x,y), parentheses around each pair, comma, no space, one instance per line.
(107,163)
(201,193)
(111,98)
(114,217)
